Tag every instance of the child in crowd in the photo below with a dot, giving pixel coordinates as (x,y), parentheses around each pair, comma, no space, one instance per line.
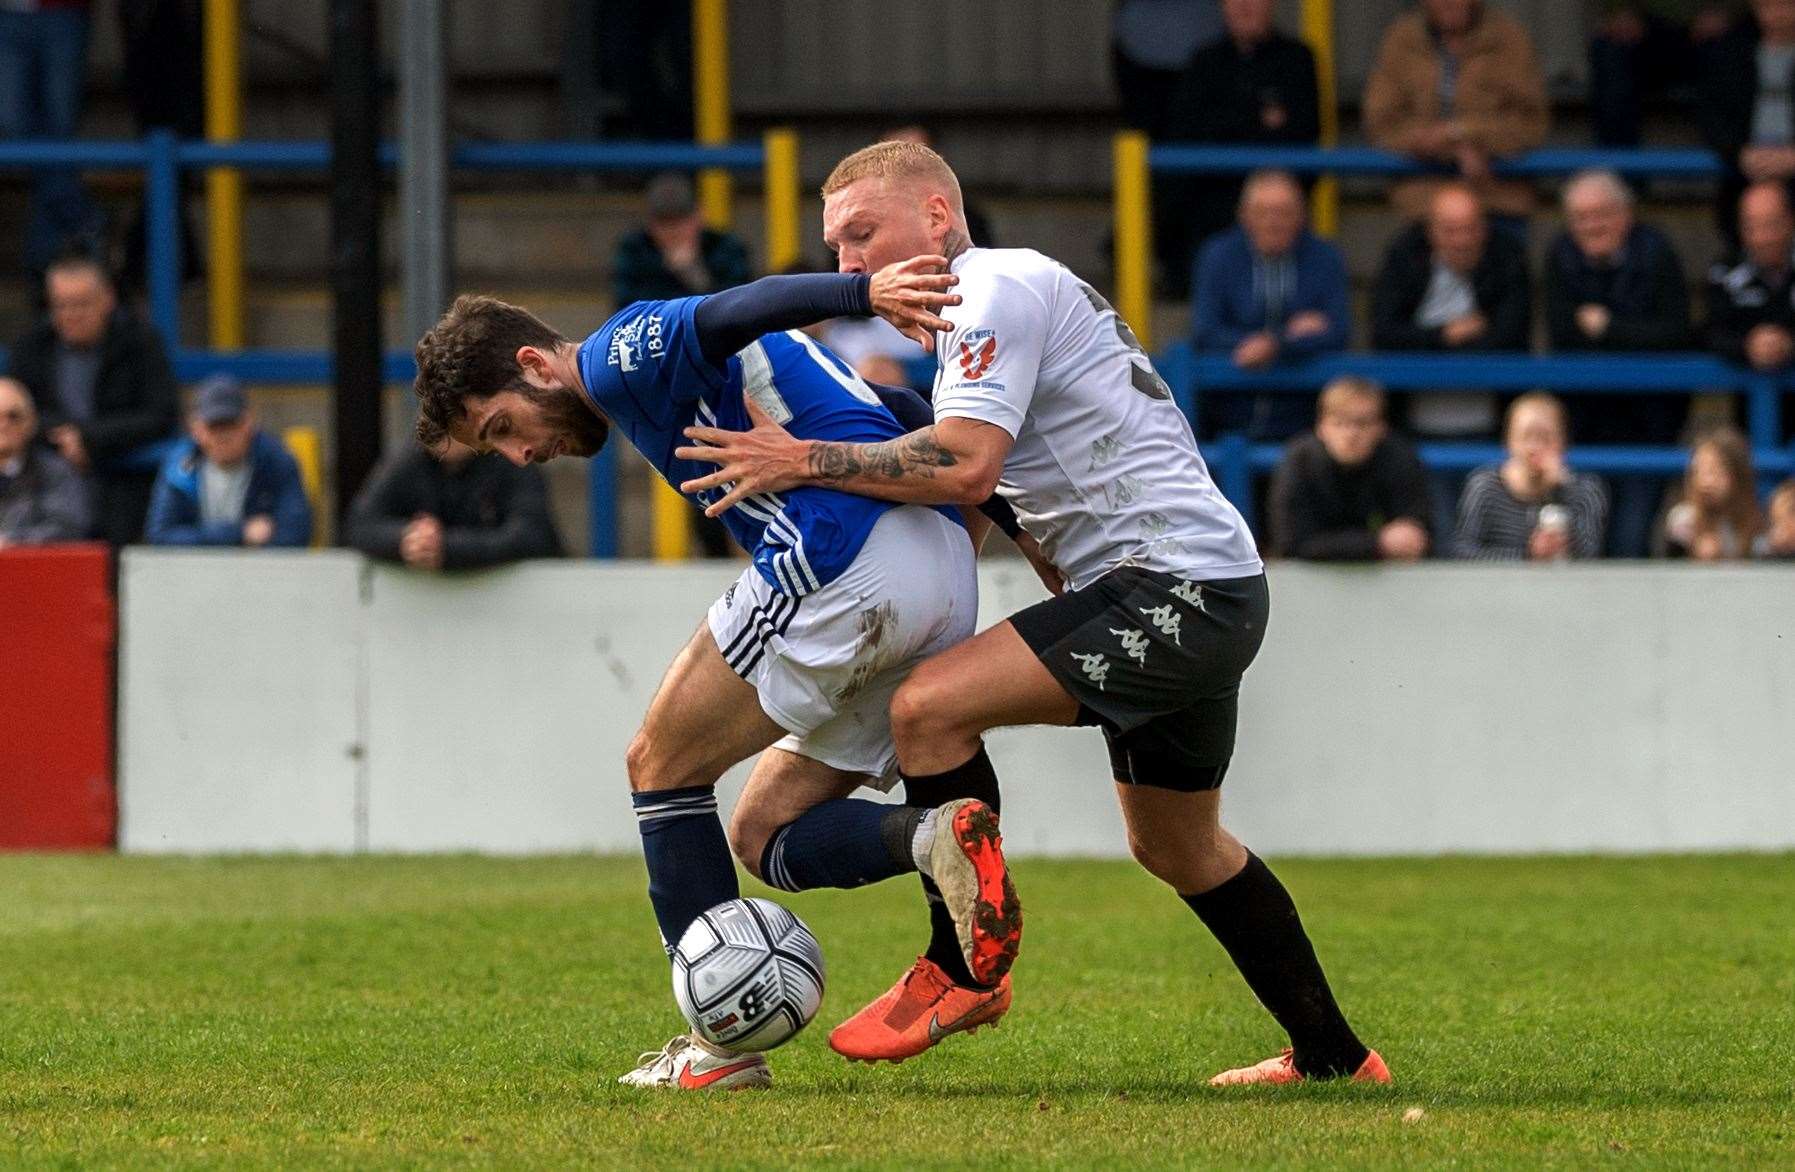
(1779,537)
(1715,516)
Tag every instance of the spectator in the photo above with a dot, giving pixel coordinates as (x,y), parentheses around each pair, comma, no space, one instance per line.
(1457,84)
(1614,284)
(43,78)
(1269,289)
(42,499)
(1150,43)
(1746,103)
(1715,516)
(1452,284)
(102,379)
(1252,85)
(978,224)
(1645,48)
(1751,298)
(1778,541)
(452,512)
(231,483)
(1350,491)
(675,255)
(1531,506)
(163,76)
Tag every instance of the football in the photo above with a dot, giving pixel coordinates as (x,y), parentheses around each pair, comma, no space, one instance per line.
(748,975)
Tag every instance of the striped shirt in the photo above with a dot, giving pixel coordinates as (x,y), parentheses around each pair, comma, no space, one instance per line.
(1496,525)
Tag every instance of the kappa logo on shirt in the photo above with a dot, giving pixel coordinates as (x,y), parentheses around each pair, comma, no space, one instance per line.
(978,350)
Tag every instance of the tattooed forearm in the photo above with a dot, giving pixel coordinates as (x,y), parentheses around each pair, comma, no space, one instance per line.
(917,454)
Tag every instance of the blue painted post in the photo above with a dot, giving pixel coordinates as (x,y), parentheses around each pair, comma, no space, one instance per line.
(1763,403)
(601,501)
(1233,455)
(162,234)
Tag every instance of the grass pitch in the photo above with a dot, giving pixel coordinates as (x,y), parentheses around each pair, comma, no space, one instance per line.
(462,1011)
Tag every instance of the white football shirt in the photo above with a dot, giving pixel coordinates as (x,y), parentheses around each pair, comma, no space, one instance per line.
(1105,471)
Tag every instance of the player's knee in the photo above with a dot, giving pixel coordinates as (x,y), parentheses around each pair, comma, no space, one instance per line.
(919,713)
(1175,860)
(652,767)
(748,838)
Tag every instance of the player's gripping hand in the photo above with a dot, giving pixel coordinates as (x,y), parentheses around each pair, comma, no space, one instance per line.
(765,459)
(907,293)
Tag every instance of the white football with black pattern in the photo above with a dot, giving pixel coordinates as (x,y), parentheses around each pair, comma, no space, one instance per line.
(748,975)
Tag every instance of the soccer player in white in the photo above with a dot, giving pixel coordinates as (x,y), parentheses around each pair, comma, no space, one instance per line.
(1043,392)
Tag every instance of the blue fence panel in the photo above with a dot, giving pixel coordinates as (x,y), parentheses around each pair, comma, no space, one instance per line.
(1193,159)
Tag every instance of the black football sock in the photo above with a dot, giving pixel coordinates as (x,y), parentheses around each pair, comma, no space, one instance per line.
(1255,920)
(690,869)
(973,779)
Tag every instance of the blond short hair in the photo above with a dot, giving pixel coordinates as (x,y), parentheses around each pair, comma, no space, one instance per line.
(1335,395)
(895,160)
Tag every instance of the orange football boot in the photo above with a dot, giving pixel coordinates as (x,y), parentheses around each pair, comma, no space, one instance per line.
(920,1010)
(967,864)
(1282,1069)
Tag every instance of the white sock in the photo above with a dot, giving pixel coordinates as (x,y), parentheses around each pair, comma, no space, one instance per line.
(923,841)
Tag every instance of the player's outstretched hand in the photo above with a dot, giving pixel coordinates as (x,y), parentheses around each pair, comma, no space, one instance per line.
(908,293)
(765,459)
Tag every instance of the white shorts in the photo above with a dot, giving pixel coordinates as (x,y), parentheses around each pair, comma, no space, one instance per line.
(826,664)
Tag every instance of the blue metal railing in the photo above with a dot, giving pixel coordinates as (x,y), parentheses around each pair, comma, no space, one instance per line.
(1193,159)
(162,158)
(1235,459)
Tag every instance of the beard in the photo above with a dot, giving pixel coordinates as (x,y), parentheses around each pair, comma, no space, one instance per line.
(583,430)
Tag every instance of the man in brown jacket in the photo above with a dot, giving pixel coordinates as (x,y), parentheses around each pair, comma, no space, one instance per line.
(1458,84)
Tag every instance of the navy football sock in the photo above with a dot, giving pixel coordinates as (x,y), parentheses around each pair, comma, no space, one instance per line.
(1254,918)
(847,842)
(690,869)
(974,779)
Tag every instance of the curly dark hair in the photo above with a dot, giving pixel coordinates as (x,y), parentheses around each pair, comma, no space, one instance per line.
(471,353)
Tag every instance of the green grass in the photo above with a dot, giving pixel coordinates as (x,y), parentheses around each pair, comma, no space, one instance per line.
(457,1011)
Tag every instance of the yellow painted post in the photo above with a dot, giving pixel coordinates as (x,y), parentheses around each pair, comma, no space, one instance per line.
(1318,30)
(224,185)
(780,184)
(710,101)
(308,451)
(1134,234)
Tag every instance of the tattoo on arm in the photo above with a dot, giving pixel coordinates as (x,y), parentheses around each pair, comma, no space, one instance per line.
(917,454)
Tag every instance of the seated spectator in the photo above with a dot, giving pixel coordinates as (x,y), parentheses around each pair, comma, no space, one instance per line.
(883,369)
(1715,516)
(1643,50)
(674,254)
(1267,290)
(1457,83)
(103,386)
(1778,541)
(42,499)
(1751,297)
(453,511)
(1746,104)
(1349,490)
(1614,284)
(859,341)
(1253,85)
(43,83)
(1452,284)
(1531,506)
(230,483)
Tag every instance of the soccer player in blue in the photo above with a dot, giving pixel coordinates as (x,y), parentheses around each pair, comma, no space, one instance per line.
(798,660)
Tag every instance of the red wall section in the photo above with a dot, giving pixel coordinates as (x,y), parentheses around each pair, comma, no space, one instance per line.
(56,630)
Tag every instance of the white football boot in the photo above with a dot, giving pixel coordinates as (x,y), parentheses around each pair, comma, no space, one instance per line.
(691,1064)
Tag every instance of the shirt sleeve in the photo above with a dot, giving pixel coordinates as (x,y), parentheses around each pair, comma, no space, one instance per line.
(989,362)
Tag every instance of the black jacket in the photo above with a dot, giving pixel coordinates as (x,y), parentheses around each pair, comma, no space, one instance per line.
(1223,94)
(1742,297)
(639,274)
(491,511)
(135,400)
(1325,511)
(1645,292)
(1726,99)
(1500,284)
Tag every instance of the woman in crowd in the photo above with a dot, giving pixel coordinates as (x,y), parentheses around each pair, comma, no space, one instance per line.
(1715,516)
(1532,507)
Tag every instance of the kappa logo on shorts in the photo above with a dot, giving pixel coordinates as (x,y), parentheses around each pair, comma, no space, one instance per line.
(1134,642)
(1096,667)
(1166,619)
(1192,593)
(978,350)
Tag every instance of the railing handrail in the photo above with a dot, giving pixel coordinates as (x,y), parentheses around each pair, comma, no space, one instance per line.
(1668,372)
(306,155)
(1209,159)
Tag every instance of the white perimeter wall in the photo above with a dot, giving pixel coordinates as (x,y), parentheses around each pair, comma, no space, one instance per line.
(313,702)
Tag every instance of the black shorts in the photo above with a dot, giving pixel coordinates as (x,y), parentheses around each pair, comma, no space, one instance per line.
(1156,662)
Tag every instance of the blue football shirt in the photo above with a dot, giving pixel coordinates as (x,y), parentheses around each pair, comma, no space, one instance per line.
(645,370)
